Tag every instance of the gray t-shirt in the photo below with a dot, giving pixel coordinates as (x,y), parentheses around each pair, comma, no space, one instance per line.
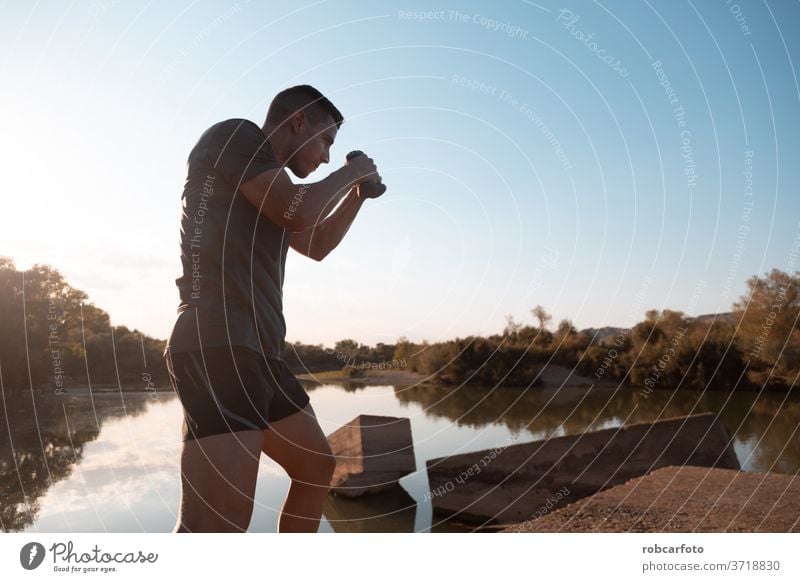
(233,257)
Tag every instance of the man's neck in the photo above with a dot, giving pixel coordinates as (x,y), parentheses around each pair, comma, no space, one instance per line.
(278,145)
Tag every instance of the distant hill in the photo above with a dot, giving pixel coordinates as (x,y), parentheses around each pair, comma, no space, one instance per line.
(606,335)
(730,317)
(603,335)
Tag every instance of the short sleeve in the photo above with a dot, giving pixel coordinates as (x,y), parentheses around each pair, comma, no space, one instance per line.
(239,151)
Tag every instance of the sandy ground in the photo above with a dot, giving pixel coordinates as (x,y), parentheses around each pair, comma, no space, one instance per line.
(389,377)
(683,499)
(553,376)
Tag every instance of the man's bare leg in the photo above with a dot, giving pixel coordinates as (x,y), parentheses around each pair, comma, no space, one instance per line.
(218,482)
(298,444)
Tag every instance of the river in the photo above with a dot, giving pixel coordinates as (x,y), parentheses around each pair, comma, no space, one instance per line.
(109,461)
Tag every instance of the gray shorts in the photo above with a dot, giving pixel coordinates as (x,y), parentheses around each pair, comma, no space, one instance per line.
(228,389)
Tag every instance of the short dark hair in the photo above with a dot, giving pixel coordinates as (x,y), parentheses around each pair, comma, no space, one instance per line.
(301,97)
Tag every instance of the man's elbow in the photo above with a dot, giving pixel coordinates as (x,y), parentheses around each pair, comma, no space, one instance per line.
(317,254)
(295,221)
(313,247)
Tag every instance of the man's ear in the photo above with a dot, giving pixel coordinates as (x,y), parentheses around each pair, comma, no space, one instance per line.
(299,120)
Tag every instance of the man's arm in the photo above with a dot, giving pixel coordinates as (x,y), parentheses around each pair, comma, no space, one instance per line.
(317,241)
(298,207)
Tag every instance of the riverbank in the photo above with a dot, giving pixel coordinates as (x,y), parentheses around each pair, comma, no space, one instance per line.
(391,377)
(552,376)
(104,388)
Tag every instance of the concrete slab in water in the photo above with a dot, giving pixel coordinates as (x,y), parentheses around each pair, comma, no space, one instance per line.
(512,484)
(372,454)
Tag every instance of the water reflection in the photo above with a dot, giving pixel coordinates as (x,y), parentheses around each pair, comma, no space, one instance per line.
(109,461)
(390,511)
(765,425)
(44,437)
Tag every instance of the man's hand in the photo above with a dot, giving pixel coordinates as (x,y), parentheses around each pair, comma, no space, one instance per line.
(369,182)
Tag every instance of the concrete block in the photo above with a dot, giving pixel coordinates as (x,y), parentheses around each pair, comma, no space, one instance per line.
(372,454)
(515,483)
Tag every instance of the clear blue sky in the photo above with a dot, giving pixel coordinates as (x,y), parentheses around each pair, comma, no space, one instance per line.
(523,168)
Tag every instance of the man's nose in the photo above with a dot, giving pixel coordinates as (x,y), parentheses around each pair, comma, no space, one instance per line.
(325,157)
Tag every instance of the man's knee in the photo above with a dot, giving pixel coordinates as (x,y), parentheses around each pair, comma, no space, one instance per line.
(328,467)
(318,471)
(203,524)
(218,482)
(222,516)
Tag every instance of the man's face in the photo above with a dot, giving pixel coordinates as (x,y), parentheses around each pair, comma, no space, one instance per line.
(311,143)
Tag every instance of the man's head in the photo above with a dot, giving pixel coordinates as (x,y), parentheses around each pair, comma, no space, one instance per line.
(301,126)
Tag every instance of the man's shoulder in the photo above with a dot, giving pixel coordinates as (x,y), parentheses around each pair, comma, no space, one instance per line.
(235,134)
(229,127)
(218,136)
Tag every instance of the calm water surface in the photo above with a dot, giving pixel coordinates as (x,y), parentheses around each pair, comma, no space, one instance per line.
(109,462)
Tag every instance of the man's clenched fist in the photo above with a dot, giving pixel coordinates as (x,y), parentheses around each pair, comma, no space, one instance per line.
(370,184)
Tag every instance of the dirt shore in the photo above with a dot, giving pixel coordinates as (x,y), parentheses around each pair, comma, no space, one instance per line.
(683,499)
(390,377)
(552,376)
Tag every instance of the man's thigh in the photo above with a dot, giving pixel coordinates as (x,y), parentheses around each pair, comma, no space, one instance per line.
(298,444)
(218,478)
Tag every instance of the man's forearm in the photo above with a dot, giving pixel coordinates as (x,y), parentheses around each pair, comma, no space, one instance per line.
(331,231)
(311,201)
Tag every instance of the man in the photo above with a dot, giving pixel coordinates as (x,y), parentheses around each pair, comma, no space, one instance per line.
(241,213)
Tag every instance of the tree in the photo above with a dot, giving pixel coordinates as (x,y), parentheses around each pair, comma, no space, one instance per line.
(564,330)
(768,324)
(53,336)
(512,327)
(541,316)
(347,347)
